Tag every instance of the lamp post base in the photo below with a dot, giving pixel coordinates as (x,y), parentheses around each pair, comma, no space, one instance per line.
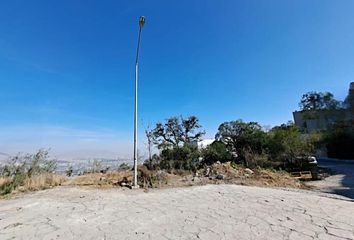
(134,187)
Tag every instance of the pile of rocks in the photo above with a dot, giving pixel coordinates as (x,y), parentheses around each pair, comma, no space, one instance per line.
(223,171)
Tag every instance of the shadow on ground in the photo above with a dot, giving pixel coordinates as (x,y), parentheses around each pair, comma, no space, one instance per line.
(348,187)
(341,181)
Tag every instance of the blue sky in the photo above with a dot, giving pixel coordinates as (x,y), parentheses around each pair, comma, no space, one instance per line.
(67,67)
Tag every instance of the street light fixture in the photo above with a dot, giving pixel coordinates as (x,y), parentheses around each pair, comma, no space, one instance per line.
(135,183)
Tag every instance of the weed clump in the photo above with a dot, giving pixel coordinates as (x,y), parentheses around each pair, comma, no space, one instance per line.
(29,172)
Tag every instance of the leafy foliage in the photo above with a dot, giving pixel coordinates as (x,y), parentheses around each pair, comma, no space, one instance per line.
(124,167)
(183,158)
(253,146)
(22,167)
(177,139)
(176,132)
(340,140)
(241,136)
(286,143)
(319,101)
(217,151)
(69,172)
(236,141)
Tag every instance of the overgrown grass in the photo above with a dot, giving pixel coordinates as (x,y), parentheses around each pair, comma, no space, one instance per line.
(146,178)
(36,172)
(29,172)
(115,178)
(43,181)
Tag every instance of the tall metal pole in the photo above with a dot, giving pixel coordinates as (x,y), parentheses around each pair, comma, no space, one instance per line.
(135,183)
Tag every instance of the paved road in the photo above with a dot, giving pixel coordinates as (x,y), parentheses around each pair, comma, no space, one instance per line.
(205,212)
(341,181)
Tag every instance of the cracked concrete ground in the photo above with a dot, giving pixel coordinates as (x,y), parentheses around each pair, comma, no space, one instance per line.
(203,212)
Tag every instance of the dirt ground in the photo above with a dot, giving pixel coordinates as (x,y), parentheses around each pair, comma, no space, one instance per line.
(199,212)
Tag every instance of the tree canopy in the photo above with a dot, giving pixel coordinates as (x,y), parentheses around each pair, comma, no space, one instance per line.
(177,131)
(238,135)
(319,101)
(287,142)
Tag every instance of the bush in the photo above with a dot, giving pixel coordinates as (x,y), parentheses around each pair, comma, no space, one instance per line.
(23,167)
(287,143)
(239,135)
(217,151)
(254,147)
(236,141)
(184,158)
(153,163)
(177,158)
(339,140)
(151,178)
(253,159)
(69,172)
(124,167)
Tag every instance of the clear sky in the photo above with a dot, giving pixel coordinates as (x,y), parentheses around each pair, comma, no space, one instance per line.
(67,67)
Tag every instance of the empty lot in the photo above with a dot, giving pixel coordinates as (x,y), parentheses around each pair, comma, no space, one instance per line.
(205,212)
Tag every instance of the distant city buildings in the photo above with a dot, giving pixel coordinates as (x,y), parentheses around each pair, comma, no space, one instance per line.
(312,120)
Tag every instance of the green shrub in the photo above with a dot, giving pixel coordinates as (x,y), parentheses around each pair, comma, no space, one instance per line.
(151,178)
(124,167)
(339,140)
(239,135)
(217,151)
(69,172)
(287,143)
(184,158)
(21,167)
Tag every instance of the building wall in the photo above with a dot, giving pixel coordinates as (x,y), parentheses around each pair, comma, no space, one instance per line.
(309,121)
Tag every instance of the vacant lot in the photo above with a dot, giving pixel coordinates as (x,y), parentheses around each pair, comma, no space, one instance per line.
(205,212)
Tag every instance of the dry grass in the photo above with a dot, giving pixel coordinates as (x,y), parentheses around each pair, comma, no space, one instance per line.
(42,181)
(34,183)
(264,177)
(161,179)
(237,174)
(102,179)
(146,178)
(4,180)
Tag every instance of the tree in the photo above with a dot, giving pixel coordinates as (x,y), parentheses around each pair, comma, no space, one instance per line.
(339,140)
(175,138)
(319,101)
(177,132)
(286,143)
(217,151)
(149,138)
(185,157)
(242,136)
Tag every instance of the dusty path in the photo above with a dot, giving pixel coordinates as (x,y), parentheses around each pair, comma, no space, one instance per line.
(207,212)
